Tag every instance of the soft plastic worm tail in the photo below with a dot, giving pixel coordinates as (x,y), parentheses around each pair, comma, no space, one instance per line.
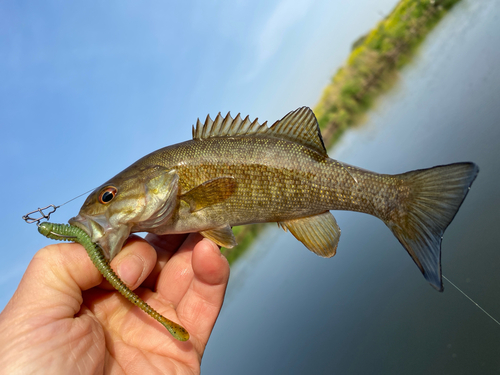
(64,232)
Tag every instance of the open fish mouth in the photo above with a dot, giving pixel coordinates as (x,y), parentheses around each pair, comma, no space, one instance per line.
(109,239)
(90,226)
(77,222)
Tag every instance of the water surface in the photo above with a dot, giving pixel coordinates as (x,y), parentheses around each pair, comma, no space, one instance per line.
(368,309)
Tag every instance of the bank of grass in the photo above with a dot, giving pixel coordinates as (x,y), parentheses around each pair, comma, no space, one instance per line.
(245,235)
(374,62)
(370,70)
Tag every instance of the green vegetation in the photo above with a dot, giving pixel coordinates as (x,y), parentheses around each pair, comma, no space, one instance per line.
(245,235)
(373,64)
(370,70)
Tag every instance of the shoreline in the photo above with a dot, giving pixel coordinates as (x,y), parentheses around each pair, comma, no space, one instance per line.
(370,70)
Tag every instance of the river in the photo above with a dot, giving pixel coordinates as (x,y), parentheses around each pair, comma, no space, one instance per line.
(368,310)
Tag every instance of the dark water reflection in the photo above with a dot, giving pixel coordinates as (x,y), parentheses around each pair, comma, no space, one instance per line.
(369,310)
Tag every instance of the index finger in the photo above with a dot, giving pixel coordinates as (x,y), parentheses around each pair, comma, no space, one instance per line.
(165,246)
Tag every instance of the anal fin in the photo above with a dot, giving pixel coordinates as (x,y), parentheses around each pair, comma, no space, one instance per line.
(221,236)
(319,233)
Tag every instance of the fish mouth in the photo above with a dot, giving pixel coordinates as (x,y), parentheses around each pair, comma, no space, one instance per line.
(90,226)
(81,223)
(109,239)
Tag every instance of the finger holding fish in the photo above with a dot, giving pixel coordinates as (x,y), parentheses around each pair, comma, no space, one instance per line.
(165,247)
(64,232)
(200,305)
(135,263)
(178,271)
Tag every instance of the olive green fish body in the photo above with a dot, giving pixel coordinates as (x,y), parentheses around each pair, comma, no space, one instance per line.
(276,180)
(238,172)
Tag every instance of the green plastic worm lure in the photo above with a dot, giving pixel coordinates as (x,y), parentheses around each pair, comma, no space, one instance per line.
(64,232)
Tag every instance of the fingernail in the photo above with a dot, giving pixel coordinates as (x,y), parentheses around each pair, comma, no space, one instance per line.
(215,248)
(130,269)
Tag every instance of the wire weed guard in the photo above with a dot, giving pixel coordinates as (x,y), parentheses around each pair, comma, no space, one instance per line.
(43,215)
(46,214)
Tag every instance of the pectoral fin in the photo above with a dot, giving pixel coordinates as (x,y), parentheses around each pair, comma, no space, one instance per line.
(319,233)
(210,192)
(221,236)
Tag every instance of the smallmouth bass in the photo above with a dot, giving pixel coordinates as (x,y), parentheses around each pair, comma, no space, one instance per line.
(235,172)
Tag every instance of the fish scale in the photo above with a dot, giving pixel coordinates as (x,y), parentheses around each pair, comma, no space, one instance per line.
(236,172)
(290,180)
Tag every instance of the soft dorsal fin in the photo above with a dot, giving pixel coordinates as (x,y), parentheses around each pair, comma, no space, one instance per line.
(299,126)
(302,127)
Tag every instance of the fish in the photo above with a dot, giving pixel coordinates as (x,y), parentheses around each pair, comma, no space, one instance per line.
(236,172)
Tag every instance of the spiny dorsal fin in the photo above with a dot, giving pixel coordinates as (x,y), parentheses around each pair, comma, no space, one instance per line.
(299,126)
(227,127)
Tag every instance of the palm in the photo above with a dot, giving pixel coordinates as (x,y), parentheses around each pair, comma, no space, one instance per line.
(133,342)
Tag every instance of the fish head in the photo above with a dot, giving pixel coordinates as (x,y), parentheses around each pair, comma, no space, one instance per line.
(137,199)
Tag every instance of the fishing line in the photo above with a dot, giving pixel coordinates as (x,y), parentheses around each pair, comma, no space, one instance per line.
(470,299)
(72,199)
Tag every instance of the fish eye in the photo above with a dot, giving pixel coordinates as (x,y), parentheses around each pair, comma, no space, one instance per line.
(107,195)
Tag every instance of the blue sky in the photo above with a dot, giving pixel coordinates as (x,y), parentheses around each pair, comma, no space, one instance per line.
(89,87)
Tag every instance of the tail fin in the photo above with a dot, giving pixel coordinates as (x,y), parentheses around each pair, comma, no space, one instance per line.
(436,195)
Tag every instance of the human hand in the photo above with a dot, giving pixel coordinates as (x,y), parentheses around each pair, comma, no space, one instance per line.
(64,318)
